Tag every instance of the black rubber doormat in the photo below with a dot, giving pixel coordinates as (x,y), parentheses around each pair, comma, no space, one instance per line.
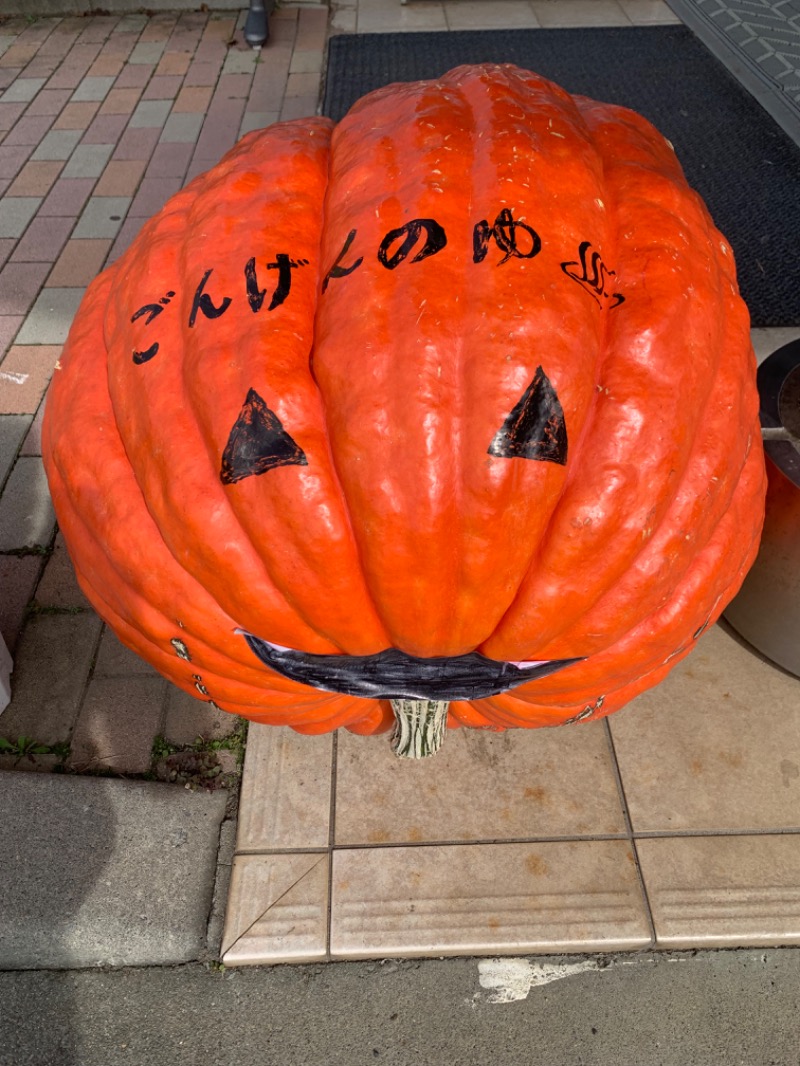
(742,164)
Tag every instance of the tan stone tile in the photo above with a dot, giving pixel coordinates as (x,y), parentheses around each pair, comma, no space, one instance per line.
(80,262)
(565,13)
(386,16)
(500,15)
(648,12)
(286,790)
(277,909)
(723,891)
(24,376)
(120,101)
(121,177)
(193,99)
(174,63)
(486,899)
(77,116)
(36,178)
(523,784)
(714,746)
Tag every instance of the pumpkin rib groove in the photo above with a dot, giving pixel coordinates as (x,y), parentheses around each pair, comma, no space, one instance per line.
(645,657)
(168,486)
(198,226)
(692,513)
(326,568)
(581,546)
(525,473)
(520,93)
(133,534)
(387,390)
(145,634)
(291,702)
(241,505)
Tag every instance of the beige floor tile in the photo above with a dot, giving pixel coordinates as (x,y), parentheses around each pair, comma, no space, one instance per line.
(344,20)
(716,746)
(286,790)
(389,16)
(768,340)
(486,898)
(277,909)
(648,12)
(554,14)
(480,786)
(723,891)
(497,15)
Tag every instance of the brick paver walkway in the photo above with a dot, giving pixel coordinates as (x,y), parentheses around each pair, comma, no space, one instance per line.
(101,120)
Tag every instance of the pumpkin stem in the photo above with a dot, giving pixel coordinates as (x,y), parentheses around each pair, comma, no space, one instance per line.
(419,727)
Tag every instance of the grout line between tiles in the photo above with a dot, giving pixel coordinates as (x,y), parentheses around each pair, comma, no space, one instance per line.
(388,845)
(650,834)
(658,834)
(331,843)
(629,827)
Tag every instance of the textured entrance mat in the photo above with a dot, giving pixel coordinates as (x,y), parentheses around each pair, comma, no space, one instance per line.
(742,164)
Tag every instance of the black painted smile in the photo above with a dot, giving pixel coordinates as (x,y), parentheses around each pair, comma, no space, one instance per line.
(393,675)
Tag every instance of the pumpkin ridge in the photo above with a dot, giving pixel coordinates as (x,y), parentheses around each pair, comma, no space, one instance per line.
(145,408)
(676,625)
(498,493)
(131,544)
(553,598)
(524,93)
(160,629)
(702,494)
(276,521)
(339,607)
(371,382)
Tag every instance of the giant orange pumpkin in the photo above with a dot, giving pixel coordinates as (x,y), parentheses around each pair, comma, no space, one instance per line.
(452,403)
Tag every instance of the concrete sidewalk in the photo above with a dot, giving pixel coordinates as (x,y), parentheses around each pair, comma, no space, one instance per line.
(709,1009)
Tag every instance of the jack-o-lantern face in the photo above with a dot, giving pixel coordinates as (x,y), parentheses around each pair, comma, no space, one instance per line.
(453,401)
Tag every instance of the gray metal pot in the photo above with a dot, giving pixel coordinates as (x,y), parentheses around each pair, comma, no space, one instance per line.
(766,611)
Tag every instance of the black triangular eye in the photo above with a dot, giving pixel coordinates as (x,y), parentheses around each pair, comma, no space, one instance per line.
(258,443)
(535,429)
